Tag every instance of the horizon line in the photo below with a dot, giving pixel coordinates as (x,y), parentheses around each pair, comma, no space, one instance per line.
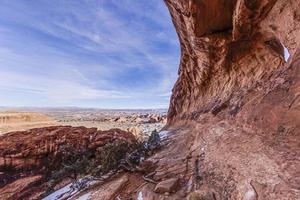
(80,107)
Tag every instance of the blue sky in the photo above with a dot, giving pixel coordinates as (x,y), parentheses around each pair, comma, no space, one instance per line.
(88,53)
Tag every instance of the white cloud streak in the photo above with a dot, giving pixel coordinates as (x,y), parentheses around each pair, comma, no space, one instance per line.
(108,39)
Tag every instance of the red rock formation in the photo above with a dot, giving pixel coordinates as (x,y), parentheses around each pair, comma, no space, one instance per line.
(28,158)
(42,145)
(228,54)
(239,95)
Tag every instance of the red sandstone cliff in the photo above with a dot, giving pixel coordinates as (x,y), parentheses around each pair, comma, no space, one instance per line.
(239,95)
(230,49)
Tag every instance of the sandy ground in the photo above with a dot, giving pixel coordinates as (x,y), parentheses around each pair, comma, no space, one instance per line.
(20,121)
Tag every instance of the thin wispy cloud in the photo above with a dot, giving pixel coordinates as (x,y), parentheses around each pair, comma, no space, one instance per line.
(118,53)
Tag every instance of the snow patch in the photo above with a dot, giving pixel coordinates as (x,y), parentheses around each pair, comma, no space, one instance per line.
(118,198)
(58,193)
(140,196)
(163,134)
(286,54)
(250,194)
(72,189)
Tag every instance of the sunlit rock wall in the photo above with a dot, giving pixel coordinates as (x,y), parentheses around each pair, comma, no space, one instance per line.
(229,50)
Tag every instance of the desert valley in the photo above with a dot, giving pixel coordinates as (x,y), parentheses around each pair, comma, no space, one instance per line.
(142,122)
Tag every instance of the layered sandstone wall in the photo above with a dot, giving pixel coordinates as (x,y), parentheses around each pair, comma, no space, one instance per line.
(229,48)
(238,95)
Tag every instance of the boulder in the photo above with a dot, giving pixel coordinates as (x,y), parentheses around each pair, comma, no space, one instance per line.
(136,132)
(154,118)
(138,120)
(169,186)
(121,119)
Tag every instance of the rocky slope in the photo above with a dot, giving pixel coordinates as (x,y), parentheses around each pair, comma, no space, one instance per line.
(34,161)
(238,92)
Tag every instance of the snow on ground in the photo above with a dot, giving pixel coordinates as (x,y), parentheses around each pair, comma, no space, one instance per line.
(286,54)
(163,134)
(72,189)
(58,193)
(140,196)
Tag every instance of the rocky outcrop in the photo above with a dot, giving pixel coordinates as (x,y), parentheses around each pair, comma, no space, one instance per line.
(156,118)
(238,93)
(167,186)
(49,146)
(229,48)
(30,160)
(136,132)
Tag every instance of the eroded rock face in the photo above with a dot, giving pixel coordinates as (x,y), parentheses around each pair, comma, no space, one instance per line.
(229,48)
(167,186)
(42,154)
(238,95)
(43,146)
